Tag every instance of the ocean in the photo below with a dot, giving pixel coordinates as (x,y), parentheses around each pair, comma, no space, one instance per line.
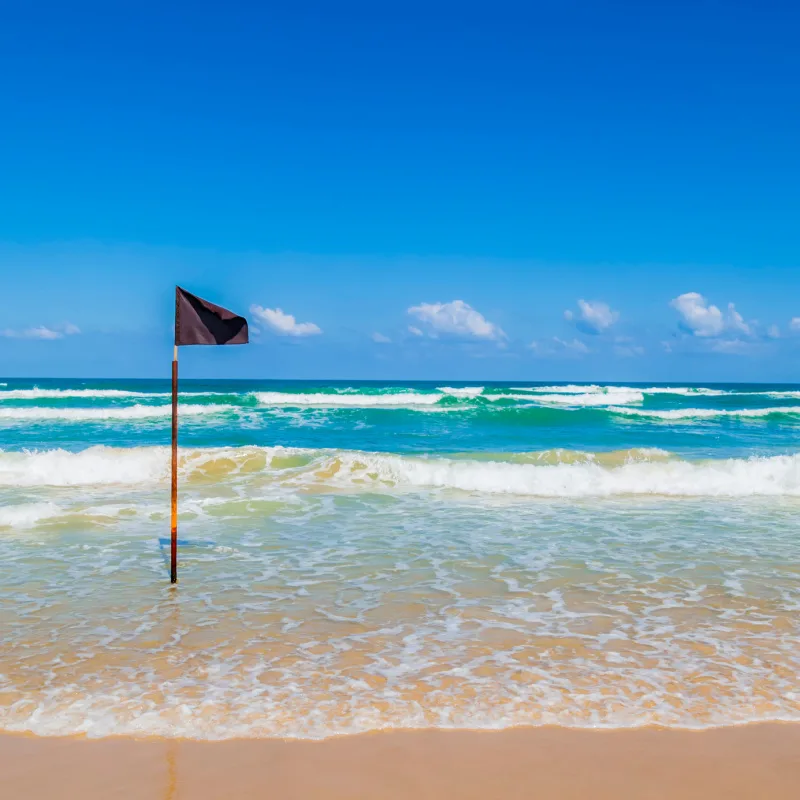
(357,556)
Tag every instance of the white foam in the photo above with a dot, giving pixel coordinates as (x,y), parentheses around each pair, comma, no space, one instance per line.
(461,391)
(706,413)
(57,394)
(566,389)
(648,473)
(101,465)
(109,394)
(596,389)
(25,515)
(585,400)
(321,400)
(95,465)
(775,476)
(121,413)
(687,391)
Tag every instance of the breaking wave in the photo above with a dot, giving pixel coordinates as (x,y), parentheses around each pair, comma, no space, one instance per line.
(117,413)
(57,394)
(465,395)
(462,391)
(574,399)
(356,400)
(552,474)
(597,389)
(708,413)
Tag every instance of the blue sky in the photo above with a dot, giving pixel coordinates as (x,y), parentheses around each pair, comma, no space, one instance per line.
(567,190)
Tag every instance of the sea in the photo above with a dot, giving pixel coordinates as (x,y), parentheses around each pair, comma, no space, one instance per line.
(356,556)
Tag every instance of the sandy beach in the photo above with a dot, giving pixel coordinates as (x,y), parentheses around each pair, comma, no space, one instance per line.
(754,761)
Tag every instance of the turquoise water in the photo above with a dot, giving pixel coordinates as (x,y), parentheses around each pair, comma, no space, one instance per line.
(360,555)
(696,421)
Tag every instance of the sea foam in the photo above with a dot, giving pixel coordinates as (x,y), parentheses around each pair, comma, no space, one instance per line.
(58,394)
(134,412)
(707,413)
(650,473)
(583,400)
(320,399)
(778,475)
(94,466)
(461,391)
(687,391)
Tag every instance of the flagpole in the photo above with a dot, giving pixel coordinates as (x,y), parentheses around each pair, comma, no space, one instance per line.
(196,322)
(174,526)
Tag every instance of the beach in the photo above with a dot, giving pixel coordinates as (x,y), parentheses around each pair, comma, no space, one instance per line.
(400,401)
(392,589)
(754,761)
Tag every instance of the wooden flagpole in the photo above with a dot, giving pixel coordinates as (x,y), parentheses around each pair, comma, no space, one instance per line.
(174,527)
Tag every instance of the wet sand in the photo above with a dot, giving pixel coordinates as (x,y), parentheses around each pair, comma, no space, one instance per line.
(753,761)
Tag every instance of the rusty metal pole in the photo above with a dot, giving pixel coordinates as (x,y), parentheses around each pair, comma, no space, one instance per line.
(174,520)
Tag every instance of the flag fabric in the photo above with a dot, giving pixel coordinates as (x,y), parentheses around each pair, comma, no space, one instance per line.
(199,322)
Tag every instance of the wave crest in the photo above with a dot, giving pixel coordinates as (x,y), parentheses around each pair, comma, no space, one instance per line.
(113,413)
(708,413)
(556,474)
(320,399)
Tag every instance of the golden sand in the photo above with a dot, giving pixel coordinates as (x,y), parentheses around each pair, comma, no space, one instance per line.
(754,761)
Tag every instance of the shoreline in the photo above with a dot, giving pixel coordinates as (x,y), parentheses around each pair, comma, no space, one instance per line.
(755,760)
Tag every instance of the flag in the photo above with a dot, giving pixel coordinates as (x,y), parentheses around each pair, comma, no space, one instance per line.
(199,322)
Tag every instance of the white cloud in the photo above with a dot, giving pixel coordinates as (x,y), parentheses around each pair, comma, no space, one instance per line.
(282,323)
(380,338)
(455,318)
(701,318)
(594,316)
(795,324)
(41,332)
(415,331)
(735,321)
(774,332)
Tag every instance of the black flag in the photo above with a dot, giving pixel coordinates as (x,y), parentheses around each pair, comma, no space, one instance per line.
(200,322)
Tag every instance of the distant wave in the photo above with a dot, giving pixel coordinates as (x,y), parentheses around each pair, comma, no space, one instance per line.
(575,399)
(462,391)
(708,413)
(57,394)
(640,473)
(467,396)
(134,412)
(110,394)
(597,389)
(320,399)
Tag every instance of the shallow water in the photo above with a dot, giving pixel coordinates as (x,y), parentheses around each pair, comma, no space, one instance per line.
(430,558)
